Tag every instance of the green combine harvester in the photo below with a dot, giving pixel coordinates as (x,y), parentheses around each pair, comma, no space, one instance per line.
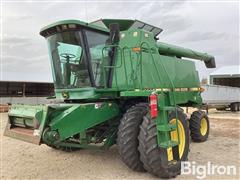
(116,84)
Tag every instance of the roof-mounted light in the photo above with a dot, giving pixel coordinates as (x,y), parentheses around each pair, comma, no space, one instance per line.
(59,28)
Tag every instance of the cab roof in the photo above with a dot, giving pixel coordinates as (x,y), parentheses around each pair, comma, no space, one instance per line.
(127,24)
(60,25)
(101,24)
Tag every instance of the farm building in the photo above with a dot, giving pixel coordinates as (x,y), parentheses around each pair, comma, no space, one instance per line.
(226,76)
(223,90)
(25,92)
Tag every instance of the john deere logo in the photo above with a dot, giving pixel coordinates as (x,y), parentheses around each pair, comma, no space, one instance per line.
(65,95)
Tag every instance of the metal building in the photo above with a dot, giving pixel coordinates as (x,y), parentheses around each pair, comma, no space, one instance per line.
(226,76)
(25,92)
(224,89)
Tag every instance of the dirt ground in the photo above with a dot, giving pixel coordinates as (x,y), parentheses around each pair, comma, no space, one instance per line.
(20,160)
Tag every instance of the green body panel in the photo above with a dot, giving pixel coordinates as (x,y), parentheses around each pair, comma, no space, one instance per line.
(80,117)
(180,98)
(148,69)
(82,93)
(146,78)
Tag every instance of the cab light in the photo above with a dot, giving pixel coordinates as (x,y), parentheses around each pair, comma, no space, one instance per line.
(136,49)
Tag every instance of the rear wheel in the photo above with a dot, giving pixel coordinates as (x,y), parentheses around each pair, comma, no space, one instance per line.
(128,136)
(183,136)
(199,126)
(153,157)
(234,107)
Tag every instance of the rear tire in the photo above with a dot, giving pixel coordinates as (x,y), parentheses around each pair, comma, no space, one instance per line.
(234,107)
(127,139)
(152,156)
(199,129)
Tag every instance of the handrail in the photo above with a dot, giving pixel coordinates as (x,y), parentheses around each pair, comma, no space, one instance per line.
(124,60)
(113,67)
(122,63)
(149,49)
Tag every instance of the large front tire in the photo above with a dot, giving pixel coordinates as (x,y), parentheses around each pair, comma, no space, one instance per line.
(153,157)
(127,139)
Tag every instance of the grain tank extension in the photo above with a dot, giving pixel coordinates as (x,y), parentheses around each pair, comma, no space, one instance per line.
(116,84)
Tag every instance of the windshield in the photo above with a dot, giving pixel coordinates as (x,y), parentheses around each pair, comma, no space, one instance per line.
(96,43)
(68,62)
(69,58)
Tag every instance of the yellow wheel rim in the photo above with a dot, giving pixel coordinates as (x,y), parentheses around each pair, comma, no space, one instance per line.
(174,137)
(204,126)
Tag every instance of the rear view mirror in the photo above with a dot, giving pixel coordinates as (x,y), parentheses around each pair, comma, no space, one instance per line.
(114,33)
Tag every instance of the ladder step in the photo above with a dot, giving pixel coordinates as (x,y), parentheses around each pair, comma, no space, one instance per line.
(168,108)
(167,128)
(168,144)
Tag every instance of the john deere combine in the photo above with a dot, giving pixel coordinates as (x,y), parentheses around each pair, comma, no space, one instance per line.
(117,85)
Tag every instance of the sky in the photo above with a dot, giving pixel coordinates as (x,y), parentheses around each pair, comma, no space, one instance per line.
(205,26)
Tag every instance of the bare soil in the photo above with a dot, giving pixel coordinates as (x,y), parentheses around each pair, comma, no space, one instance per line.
(20,160)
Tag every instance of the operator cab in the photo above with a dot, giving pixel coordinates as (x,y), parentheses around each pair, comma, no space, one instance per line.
(78,54)
(75,54)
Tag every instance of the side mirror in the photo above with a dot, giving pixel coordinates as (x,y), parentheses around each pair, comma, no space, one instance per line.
(114,36)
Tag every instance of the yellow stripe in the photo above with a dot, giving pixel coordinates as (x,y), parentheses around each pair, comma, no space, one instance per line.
(194,89)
